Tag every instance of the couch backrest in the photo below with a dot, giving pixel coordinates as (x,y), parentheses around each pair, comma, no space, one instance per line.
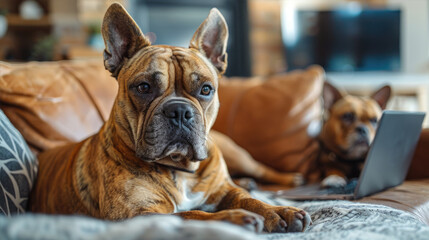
(55,103)
(276,118)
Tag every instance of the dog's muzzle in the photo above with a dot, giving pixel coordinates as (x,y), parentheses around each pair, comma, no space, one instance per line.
(176,131)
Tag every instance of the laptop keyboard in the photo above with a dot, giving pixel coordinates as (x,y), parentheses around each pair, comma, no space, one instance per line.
(348,189)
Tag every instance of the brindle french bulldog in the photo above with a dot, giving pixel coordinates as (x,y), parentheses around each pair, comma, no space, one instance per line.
(154,154)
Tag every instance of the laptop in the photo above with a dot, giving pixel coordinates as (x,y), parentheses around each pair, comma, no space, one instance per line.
(386,164)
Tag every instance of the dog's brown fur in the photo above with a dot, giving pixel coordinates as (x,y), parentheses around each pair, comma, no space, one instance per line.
(153,157)
(242,165)
(348,130)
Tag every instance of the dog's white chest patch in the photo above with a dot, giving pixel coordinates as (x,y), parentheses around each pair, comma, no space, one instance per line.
(190,200)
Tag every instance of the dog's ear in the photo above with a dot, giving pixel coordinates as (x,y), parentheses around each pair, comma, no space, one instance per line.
(122,38)
(382,95)
(330,95)
(211,39)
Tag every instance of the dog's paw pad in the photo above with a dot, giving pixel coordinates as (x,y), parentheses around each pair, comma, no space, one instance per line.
(333,181)
(301,222)
(254,223)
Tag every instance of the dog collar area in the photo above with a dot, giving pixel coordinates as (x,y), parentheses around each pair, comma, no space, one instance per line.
(332,156)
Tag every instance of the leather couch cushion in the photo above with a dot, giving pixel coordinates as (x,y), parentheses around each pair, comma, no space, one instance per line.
(272,118)
(56,102)
(411,196)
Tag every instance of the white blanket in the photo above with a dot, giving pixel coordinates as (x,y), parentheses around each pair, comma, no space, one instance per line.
(331,220)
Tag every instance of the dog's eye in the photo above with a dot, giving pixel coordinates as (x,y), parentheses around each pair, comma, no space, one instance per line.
(206,90)
(143,88)
(348,117)
(373,120)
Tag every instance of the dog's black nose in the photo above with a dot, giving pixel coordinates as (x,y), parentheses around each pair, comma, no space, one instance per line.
(362,130)
(178,112)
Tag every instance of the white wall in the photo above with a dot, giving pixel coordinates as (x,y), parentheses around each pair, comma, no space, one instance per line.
(415,34)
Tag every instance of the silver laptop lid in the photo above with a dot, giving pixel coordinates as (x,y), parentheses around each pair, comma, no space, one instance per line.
(391,152)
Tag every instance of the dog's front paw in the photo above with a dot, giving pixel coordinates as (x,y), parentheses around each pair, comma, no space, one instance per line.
(249,220)
(333,181)
(286,219)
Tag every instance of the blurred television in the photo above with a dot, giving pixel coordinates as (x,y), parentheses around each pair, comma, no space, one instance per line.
(344,36)
(342,40)
(174,22)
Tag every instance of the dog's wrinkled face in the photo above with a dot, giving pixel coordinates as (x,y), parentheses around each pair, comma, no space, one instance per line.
(167,100)
(173,94)
(351,121)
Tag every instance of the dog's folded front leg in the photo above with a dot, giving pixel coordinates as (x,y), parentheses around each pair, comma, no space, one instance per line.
(248,220)
(276,218)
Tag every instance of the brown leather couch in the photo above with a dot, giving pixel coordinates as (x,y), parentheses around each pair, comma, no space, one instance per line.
(59,102)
